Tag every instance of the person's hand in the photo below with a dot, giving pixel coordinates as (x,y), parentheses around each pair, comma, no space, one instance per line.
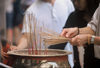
(80,39)
(4,55)
(16,47)
(13,47)
(69,32)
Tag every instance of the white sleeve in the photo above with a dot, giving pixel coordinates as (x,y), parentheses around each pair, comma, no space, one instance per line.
(28,23)
(70,6)
(93,24)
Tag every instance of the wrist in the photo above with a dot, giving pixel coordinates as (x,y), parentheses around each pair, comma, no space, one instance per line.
(77,31)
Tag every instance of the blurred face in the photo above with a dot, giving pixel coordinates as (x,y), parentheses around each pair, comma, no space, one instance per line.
(80,4)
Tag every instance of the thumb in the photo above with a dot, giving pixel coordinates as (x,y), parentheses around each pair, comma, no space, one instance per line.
(68,34)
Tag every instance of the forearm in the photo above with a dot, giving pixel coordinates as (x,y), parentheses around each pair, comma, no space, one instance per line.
(23,42)
(86,30)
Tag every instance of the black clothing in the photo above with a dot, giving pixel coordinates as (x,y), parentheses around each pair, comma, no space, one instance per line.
(58,46)
(76,19)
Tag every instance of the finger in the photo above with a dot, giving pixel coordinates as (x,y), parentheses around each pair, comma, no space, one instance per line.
(74,41)
(13,48)
(70,34)
(79,42)
(64,32)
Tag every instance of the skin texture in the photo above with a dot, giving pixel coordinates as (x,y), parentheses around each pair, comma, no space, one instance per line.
(23,42)
(83,36)
(80,39)
(50,1)
(79,36)
(69,32)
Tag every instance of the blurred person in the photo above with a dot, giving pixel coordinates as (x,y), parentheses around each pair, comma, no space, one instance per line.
(80,18)
(9,19)
(51,14)
(26,3)
(89,34)
(19,9)
(61,46)
(17,19)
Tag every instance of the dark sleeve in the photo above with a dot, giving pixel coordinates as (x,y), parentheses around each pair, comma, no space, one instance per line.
(75,20)
(70,20)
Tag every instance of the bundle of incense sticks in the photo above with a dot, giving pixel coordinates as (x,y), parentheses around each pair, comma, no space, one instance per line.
(32,40)
(50,39)
(48,36)
(29,34)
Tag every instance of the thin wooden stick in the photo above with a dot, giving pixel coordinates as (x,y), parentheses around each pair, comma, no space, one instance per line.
(45,52)
(31,33)
(40,42)
(35,36)
(29,52)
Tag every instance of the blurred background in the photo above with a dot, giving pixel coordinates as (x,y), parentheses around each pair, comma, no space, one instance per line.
(11,17)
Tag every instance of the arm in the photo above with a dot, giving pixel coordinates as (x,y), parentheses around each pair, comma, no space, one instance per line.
(82,39)
(72,32)
(90,29)
(86,30)
(22,43)
(97,40)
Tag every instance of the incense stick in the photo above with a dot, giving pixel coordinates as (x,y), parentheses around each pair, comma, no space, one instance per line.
(49,37)
(26,26)
(31,34)
(35,35)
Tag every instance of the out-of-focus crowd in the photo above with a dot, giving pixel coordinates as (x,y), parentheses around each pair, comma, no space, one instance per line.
(14,16)
(57,15)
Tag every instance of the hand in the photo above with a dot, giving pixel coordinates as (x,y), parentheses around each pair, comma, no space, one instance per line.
(13,47)
(69,32)
(4,55)
(80,39)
